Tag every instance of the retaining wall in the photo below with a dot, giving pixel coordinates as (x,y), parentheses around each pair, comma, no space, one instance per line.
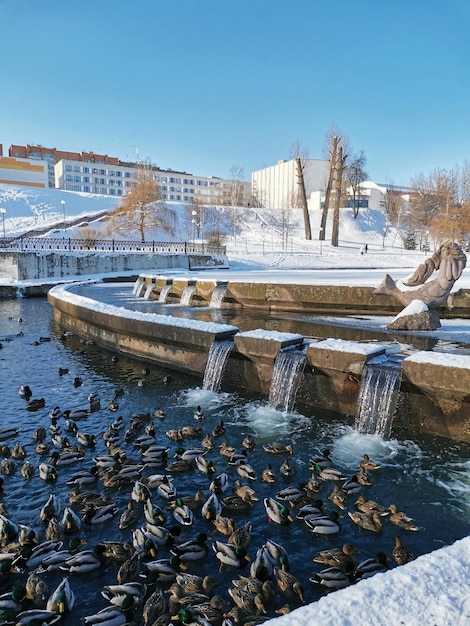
(430,401)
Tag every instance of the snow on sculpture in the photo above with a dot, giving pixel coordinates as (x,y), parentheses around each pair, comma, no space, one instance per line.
(420,295)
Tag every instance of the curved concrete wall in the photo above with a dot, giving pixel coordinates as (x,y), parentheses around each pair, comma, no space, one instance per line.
(435,394)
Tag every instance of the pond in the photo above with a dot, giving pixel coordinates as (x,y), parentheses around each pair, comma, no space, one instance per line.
(426,477)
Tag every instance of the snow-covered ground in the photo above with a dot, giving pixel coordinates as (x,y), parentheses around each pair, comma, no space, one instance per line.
(434,589)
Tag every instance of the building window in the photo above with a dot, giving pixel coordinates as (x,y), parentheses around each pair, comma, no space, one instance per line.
(118,173)
(127,174)
(86,179)
(86,170)
(112,192)
(76,168)
(119,192)
(68,168)
(86,189)
(68,177)
(110,172)
(103,172)
(77,188)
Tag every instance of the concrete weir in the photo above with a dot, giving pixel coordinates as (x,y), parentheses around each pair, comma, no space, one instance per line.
(434,393)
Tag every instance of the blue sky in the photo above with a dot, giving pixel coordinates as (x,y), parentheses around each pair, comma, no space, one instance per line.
(204,85)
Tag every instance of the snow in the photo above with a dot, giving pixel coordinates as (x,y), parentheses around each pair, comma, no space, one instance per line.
(341,345)
(63,293)
(432,589)
(271,335)
(441,358)
(414,307)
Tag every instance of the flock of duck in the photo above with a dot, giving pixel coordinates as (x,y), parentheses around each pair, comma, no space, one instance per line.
(184,503)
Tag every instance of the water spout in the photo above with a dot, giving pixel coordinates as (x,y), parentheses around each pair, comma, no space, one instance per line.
(164,293)
(378,396)
(148,291)
(138,287)
(217,296)
(187,295)
(287,373)
(215,366)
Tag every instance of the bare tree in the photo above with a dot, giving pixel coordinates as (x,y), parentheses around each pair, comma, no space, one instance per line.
(340,167)
(355,175)
(143,208)
(300,155)
(332,156)
(237,176)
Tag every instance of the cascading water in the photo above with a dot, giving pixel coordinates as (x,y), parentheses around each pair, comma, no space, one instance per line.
(218,296)
(378,396)
(288,369)
(138,288)
(164,292)
(148,291)
(215,366)
(187,295)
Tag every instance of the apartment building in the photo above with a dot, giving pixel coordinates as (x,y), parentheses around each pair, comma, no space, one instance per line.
(24,172)
(89,172)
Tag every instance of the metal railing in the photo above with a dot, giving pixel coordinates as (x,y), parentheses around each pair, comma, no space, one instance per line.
(69,244)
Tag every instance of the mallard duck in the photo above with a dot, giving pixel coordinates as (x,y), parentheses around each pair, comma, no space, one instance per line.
(99,515)
(321,461)
(129,569)
(219,429)
(87,440)
(261,566)
(400,519)
(192,550)
(290,494)
(84,477)
(241,536)
(351,486)
(50,509)
(181,465)
(211,507)
(287,469)
(400,553)
(141,493)
(7,467)
(268,475)
(370,506)
(289,584)
(198,414)
(368,522)
(278,448)
(224,525)
(324,524)
(336,577)
(246,492)
(36,404)
(118,551)
(246,471)
(85,561)
(192,583)
(25,392)
(109,616)
(37,590)
(249,442)
(164,536)
(70,521)
(18,452)
(368,464)
(114,593)
(204,465)
(226,450)
(207,442)
(220,484)
(159,414)
(235,503)
(56,559)
(277,512)
(10,604)
(229,554)
(129,516)
(331,473)
(27,470)
(336,556)
(37,616)
(250,603)
(9,531)
(154,607)
(363,477)
(47,472)
(42,551)
(153,513)
(339,497)
(183,515)
(190,431)
(371,566)
(164,570)
(54,530)
(278,554)
(62,600)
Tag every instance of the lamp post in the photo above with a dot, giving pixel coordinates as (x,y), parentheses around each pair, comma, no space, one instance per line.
(321,240)
(383,239)
(195,224)
(3,211)
(62,202)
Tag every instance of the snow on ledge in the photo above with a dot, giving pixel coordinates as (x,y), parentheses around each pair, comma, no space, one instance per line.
(342,345)
(63,292)
(432,589)
(445,359)
(270,335)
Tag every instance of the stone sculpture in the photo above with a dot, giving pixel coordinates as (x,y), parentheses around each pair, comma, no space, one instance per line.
(422,296)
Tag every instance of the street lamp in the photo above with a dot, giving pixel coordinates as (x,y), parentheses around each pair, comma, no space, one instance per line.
(321,240)
(383,240)
(195,224)
(3,211)
(62,202)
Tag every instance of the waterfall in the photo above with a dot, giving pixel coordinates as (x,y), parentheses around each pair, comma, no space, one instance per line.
(164,293)
(218,296)
(148,291)
(187,295)
(378,396)
(287,373)
(215,366)
(138,288)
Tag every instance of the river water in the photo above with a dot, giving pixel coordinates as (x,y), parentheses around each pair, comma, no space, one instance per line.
(427,477)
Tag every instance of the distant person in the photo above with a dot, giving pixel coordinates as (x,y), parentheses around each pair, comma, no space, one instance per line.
(365,248)
(361,250)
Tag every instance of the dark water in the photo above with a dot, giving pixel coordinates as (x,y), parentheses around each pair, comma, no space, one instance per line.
(426,477)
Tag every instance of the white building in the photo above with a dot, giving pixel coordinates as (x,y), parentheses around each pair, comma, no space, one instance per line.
(277,187)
